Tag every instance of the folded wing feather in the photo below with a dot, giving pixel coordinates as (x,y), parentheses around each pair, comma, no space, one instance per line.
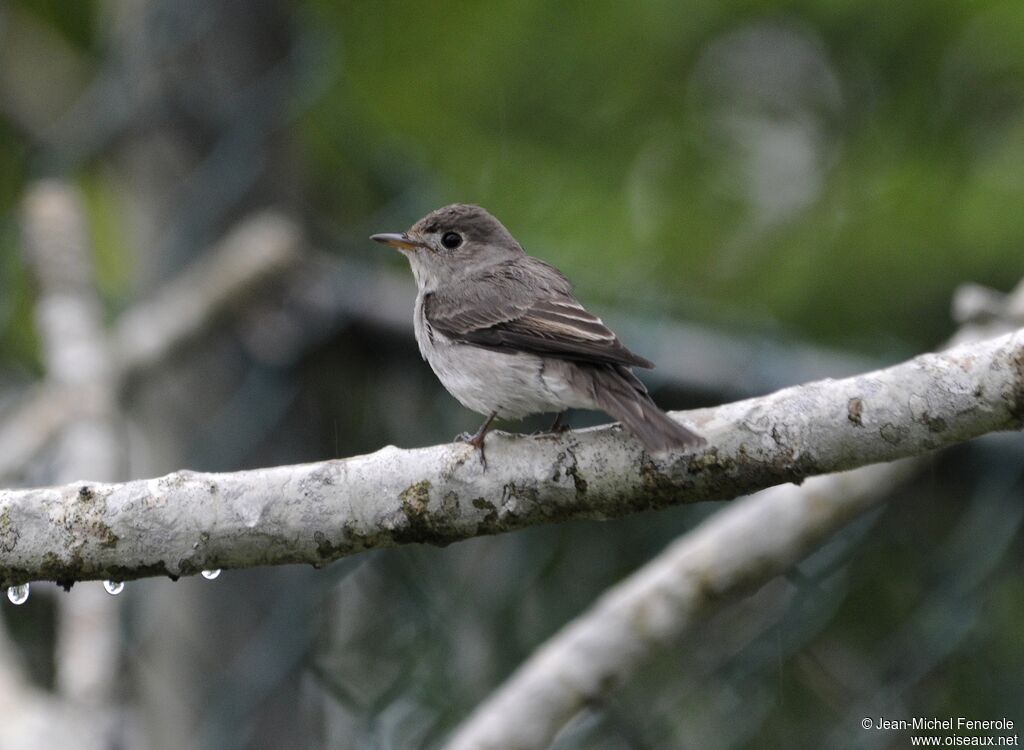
(505,309)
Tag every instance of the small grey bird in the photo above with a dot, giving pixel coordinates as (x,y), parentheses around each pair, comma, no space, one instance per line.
(505,335)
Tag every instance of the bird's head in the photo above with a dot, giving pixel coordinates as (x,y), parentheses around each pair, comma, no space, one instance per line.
(451,242)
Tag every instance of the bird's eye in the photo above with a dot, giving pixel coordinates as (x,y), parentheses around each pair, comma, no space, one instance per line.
(451,240)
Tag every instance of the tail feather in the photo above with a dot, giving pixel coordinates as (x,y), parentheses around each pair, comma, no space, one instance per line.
(620,393)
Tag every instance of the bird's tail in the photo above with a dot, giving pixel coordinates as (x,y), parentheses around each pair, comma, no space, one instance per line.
(620,393)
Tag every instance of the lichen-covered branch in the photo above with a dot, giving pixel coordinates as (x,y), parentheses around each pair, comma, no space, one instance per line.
(315,513)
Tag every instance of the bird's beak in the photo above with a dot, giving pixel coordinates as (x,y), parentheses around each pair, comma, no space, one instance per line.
(401,241)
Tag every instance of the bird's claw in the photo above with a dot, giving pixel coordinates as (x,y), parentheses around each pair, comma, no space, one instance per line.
(477,441)
(477,438)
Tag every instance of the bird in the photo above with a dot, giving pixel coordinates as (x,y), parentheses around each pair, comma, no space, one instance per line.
(507,337)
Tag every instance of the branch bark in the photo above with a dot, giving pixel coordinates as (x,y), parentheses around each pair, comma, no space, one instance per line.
(316,513)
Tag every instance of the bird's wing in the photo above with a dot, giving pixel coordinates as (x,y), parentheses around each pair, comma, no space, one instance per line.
(526,305)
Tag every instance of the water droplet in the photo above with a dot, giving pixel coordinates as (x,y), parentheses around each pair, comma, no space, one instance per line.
(211,574)
(18,594)
(113,587)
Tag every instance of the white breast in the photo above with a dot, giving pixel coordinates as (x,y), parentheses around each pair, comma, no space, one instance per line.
(513,385)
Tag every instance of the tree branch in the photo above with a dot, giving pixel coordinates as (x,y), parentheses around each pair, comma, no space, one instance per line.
(316,513)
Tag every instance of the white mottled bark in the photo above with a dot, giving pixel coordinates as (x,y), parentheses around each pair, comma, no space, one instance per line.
(315,513)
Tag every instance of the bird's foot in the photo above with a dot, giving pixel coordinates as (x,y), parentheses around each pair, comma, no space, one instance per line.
(476,439)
